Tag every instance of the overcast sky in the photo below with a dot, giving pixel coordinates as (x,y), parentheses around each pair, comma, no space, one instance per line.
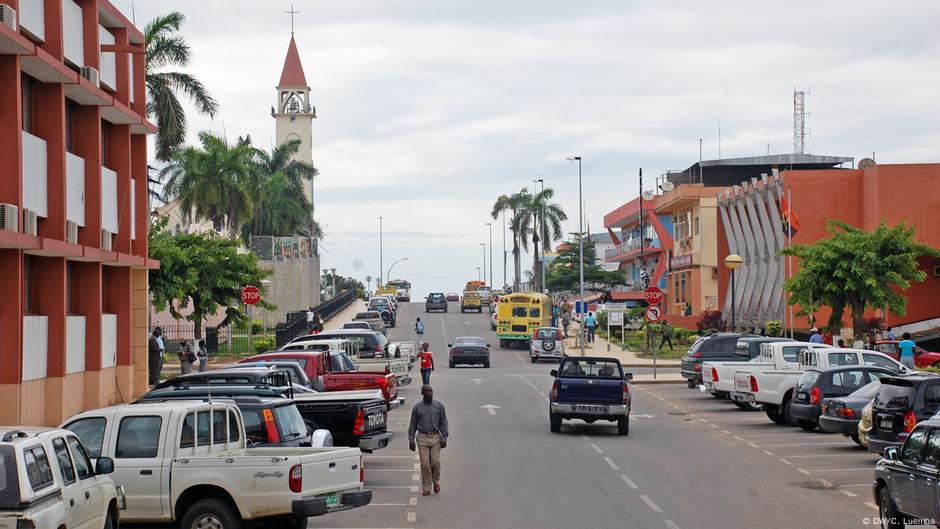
(429,109)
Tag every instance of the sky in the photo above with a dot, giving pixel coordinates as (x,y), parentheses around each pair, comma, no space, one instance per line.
(428,110)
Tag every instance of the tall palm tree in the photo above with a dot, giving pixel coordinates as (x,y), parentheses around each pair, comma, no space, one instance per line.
(519,219)
(210,181)
(547,230)
(165,47)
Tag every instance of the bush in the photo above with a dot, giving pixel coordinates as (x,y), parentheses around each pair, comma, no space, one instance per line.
(710,322)
(774,328)
(263,345)
(256,326)
(601,317)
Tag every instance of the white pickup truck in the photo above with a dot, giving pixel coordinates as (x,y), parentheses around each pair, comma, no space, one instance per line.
(389,364)
(47,481)
(773,389)
(718,377)
(187,462)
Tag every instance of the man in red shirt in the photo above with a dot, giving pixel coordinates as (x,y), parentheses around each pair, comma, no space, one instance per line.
(427,363)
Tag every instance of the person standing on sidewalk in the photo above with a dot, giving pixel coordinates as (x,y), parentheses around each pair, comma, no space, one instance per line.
(187,357)
(590,323)
(907,350)
(428,430)
(427,363)
(419,330)
(667,335)
(155,350)
(203,356)
(565,321)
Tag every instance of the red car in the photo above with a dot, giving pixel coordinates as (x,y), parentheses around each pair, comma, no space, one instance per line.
(922,358)
(453,297)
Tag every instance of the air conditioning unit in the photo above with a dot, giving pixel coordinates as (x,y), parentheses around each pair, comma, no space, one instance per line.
(8,16)
(106,240)
(9,217)
(91,75)
(30,222)
(71,232)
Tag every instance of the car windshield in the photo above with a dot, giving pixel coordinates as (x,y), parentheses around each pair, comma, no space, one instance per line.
(436,297)
(868,391)
(474,341)
(808,379)
(290,424)
(591,368)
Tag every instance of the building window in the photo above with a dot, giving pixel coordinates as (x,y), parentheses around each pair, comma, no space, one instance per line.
(105,140)
(683,285)
(30,304)
(71,284)
(675,288)
(71,116)
(27,84)
(695,226)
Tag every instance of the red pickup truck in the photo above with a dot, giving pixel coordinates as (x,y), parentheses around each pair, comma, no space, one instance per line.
(337,372)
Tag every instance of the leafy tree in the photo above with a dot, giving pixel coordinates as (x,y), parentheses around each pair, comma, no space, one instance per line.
(857,269)
(343,284)
(516,205)
(564,272)
(547,230)
(165,47)
(200,271)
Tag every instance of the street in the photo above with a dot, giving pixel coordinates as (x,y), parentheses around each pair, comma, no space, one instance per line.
(690,461)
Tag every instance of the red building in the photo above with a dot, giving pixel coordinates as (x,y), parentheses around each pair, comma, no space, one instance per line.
(73,209)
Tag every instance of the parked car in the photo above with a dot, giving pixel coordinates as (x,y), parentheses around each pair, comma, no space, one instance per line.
(493,315)
(471,302)
(355,418)
(718,347)
(386,362)
(590,389)
(384,307)
(820,383)
(47,481)
(844,414)
(469,350)
(293,369)
(547,343)
(373,318)
(718,377)
(901,403)
(905,485)
(435,301)
(922,357)
(453,296)
(370,343)
(188,463)
(407,350)
(219,377)
(362,325)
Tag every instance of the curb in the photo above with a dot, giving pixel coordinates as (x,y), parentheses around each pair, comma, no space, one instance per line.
(650,365)
(657,381)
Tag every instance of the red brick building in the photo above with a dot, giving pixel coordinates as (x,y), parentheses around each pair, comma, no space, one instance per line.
(73,209)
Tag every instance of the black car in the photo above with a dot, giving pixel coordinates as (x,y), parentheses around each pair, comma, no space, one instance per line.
(370,343)
(436,301)
(842,414)
(297,374)
(718,347)
(905,485)
(469,350)
(261,375)
(901,403)
(357,420)
(818,384)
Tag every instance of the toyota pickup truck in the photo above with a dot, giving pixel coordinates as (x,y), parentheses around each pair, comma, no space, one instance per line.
(773,389)
(187,463)
(590,389)
(355,418)
(384,361)
(718,347)
(47,481)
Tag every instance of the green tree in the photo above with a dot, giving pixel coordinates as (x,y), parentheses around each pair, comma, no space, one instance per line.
(210,181)
(547,230)
(516,205)
(564,272)
(857,269)
(202,272)
(343,284)
(166,48)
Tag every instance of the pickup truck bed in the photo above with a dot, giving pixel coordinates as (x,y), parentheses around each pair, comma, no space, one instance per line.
(355,418)
(590,389)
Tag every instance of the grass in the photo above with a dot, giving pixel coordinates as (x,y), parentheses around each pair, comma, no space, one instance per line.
(638,344)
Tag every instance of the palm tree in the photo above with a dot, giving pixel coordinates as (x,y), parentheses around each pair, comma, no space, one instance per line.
(165,48)
(519,218)
(547,230)
(210,181)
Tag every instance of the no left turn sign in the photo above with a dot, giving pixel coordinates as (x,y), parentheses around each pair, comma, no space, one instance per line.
(654,313)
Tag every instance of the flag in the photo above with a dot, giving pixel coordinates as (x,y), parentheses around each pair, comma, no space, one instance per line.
(791,222)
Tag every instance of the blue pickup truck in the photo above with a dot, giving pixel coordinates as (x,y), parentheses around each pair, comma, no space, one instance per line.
(590,389)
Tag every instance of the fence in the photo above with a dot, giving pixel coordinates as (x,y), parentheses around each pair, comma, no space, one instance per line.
(296,323)
(219,340)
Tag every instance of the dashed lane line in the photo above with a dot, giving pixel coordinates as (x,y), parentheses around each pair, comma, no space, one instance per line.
(803,471)
(413,500)
(806,444)
(611,463)
(412,516)
(388,504)
(444,328)
(670,524)
(785,462)
(850,494)
(629,482)
(649,503)
(597,448)
(872,505)
(865,469)
(393,469)
(857,454)
(768,452)
(415,477)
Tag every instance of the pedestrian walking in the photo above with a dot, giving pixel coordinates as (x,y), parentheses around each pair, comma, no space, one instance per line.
(155,350)
(428,430)
(419,330)
(203,356)
(814,336)
(565,321)
(187,356)
(427,363)
(590,323)
(907,350)
(310,315)
(667,335)
(555,316)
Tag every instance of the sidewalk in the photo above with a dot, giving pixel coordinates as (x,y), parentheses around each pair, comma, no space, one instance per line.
(627,358)
(343,316)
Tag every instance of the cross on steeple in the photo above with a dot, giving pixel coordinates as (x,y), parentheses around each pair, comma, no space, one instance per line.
(292,13)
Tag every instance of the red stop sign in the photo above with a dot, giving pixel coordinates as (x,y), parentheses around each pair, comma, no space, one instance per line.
(251,295)
(653,295)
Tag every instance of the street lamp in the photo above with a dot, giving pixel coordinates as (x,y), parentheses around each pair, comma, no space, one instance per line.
(333,273)
(478,273)
(733,261)
(492,272)
(580,247)
(379,282)
(389,274)
(483,244)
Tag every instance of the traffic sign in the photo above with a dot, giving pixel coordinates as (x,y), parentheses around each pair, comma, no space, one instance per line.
(654,313)
(615,307)
(653,295)
(614,318)
(251,295)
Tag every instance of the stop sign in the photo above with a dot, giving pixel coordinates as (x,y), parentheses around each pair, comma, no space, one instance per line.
(653,295)
(251,295)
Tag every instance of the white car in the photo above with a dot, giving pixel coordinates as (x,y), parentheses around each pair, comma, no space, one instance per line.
(47,480)
(546,342)
(493,320)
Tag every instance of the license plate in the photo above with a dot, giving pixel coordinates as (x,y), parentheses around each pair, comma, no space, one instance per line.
(331,500)
(742,382)
(801,395)
(885,424)
(582,407)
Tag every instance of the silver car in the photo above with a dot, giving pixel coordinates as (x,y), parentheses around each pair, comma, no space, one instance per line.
(547,342)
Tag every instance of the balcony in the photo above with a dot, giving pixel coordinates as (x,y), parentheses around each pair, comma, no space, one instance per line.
(75,188)
(109,210)
(630,249)
(108,340)
(35,347)
(35,174)
(74,344)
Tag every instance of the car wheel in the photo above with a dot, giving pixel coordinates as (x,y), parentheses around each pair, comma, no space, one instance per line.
(210,513)
(790,421)
(486,364)
(747,406)
(856,440)
(108,521)
(809,426)
(554,422)
(534,359)
(691,384)
(773,413)
(450,364)
(623,425)
(888,512)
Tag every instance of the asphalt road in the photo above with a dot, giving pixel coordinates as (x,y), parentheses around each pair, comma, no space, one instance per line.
(690,461)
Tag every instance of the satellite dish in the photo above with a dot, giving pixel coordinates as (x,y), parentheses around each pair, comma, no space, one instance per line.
(865,163)
(648,195)
(668,186)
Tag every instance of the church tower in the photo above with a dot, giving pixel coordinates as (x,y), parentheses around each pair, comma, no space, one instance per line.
(294,114)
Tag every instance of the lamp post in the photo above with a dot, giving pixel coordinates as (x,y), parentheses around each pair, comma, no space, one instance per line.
(492,272)
(333,273)
(478,273)
(389,274)
(580,248)
(540,229)
(379,282)
(733,261)
(483,244)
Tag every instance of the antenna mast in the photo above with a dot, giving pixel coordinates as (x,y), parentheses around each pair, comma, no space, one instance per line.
(799,120)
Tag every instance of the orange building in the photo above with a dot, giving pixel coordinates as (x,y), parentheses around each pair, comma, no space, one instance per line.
(73,209)
(860,197)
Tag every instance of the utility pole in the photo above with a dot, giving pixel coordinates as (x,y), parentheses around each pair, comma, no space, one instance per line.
(505,284)
(492,274)
(379,284)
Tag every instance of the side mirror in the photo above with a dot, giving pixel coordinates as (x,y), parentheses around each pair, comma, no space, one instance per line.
(488,345)
(553,372)
(104,465)
(628,376)
(891,453)
(450,345)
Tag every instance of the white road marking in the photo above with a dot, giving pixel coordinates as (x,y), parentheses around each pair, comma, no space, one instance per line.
(866,469)
(726,431)
(804,472)
(713,425)
(388,504)
(413,500)
(417,467)
(870,504)
(642,415)
(370,457)
(808,444)
(411,517)
(611,463)
(391,470)
(414,477)
(531,385)
(414,489)
(850,494)
(585,437)
(835,455)
(650,504)
(597,448)
(629,482)
(542,394)
(670,524)
(768,452)
(738,437)
(752,445)
(491,408)
(785,462)
(397,487)
(477,380)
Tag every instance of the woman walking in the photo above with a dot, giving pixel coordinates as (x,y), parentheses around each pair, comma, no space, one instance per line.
(427,363)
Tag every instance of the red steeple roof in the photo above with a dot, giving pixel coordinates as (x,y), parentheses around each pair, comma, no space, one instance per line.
(293,72)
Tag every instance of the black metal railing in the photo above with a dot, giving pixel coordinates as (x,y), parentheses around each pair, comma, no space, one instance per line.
(296,322)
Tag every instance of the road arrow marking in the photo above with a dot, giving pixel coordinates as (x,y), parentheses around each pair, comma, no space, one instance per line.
(490,408)
(641,416)
(477,380)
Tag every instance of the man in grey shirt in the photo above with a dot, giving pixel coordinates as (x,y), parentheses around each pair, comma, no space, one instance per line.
(429,431)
